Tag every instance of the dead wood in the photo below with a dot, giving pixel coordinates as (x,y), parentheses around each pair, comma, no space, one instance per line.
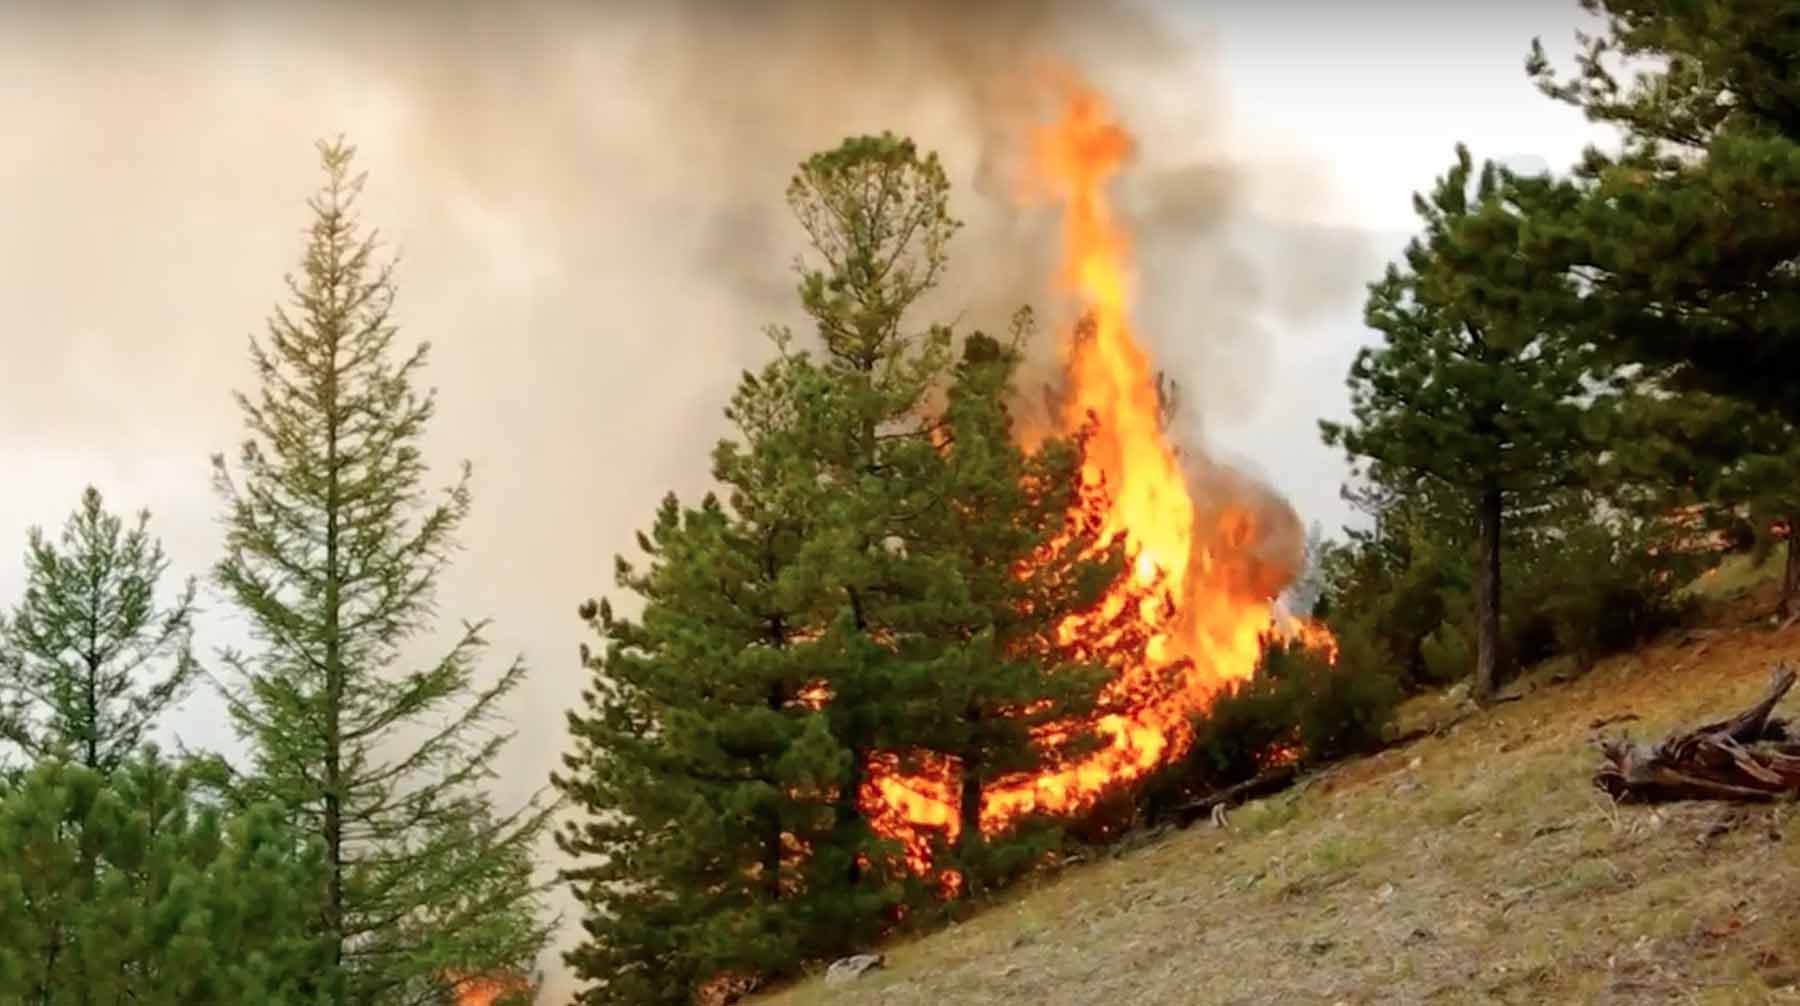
(1749,757)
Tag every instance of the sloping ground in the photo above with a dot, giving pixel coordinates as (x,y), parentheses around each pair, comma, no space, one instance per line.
(1476,867)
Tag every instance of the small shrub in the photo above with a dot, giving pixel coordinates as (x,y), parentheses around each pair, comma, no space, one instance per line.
(1448,653)
(1344,708)
(1233,740)
(1297,705)
(1603,592)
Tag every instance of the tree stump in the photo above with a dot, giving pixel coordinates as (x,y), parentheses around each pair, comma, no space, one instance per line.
(1749,757)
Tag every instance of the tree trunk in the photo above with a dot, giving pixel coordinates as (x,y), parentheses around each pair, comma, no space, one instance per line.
(969,814)
(334,692)
(1487,598)
(852,801)
(772,841)
(1790,579)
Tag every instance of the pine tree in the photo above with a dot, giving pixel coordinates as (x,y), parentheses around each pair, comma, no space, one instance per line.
(879,585)
(704,772)
(127,888)
(333,550)
(1018,534)
(1683,241)
(89,660)
(1475,386)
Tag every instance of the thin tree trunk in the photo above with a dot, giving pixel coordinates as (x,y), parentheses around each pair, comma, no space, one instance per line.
(1790,579)
(334,682)
(969,834)
(1487,597)
(772,842)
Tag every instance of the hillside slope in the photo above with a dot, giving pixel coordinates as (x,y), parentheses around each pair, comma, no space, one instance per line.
(1475,867)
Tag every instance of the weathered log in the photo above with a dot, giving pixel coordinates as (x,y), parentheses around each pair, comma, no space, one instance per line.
(1749,757)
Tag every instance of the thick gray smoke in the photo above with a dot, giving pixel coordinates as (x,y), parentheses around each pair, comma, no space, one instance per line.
(588,203)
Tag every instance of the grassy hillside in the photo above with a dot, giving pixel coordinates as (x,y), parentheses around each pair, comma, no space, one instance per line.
(1479,866)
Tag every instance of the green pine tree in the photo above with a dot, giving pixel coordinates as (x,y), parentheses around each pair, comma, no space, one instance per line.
(126,888)
(1474,386)
(704,773)
(1683,241)
(860,592)
(1014,549)
(333,550)
(89,659)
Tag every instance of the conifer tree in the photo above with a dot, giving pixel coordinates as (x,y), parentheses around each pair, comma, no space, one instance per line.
(882,482)
(879,578)
(89,659)
(1683,241)
(1474,386)
(1018,534)
(705,773)
(333,550)
(125,888)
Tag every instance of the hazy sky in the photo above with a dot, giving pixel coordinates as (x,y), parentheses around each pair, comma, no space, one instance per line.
(587,199)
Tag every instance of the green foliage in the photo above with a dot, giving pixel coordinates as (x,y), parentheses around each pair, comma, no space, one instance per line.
(1447,652)
(1474,389)
(126,888)
(89,660)
(1728,465)
(1683,241)
(1344,708)
(1604,588)
(1406,582)
(879,584)
(333,551)
(1298,704)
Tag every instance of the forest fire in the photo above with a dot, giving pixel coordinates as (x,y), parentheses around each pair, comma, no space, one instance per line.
(1205,595)
(490,990)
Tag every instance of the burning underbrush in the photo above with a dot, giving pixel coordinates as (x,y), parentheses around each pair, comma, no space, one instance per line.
(1209,550)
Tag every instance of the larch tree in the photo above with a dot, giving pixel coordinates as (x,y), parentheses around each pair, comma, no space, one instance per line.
(334,545)
(125,887)
(1475,386)
(89,659)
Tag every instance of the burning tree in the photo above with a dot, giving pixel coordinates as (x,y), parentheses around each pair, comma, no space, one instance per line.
(832,664)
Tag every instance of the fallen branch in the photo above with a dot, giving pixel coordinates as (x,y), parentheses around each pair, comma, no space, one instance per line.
(1748,757)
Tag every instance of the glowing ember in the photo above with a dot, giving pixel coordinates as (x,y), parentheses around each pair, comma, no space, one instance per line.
(1200,590)
(489,990)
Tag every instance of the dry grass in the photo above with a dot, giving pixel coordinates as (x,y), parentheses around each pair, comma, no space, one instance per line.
(1477,867)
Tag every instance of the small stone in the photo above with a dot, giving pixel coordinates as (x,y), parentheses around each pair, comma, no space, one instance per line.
(1386,893)
(851,968)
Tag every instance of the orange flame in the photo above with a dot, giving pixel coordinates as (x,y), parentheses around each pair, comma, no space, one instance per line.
(488,990)
(1204,596)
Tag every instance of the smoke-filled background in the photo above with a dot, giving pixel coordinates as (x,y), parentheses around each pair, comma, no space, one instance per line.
(587,201)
